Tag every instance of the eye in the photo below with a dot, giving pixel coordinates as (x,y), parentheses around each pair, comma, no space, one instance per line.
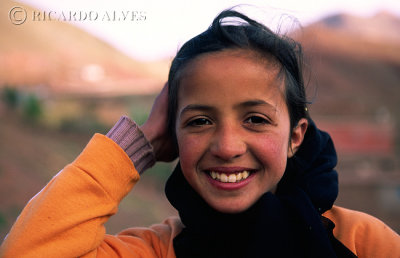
(199,122)
(256,120)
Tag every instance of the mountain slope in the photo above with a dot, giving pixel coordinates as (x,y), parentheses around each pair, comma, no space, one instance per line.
(63,58)
(354,69)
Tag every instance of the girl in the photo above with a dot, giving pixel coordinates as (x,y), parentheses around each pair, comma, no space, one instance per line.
(255,176)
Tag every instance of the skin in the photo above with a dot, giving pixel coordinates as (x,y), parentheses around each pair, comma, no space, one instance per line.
(232,117)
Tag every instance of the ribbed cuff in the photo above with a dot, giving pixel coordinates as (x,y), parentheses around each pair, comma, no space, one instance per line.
(130,138)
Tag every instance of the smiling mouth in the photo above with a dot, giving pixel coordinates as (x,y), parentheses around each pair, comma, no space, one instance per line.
(229,178)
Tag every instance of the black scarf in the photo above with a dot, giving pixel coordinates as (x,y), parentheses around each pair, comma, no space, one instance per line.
(285,224)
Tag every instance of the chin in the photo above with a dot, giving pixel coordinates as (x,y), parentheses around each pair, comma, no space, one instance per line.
(230,207)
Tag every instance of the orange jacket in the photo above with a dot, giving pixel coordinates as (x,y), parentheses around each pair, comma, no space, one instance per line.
(66,218)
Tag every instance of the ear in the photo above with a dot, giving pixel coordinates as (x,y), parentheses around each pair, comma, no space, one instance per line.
(297,137)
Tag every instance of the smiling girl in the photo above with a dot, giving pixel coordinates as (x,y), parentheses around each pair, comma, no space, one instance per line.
(255,176)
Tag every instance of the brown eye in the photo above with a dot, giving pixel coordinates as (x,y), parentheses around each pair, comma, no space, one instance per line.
(257,120)
(199,122)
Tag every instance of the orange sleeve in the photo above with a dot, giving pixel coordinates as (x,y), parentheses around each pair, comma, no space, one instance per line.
(364,235)
(66,218)
(156,241)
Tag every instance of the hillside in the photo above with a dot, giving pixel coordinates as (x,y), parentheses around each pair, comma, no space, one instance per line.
(375,37)
(354,64)
(60,57)
(353,72)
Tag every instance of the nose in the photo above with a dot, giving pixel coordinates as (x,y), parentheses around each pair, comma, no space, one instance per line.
(227,143)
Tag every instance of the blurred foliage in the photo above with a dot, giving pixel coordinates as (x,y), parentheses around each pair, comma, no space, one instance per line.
(29,104)
(10,96)
(32,108)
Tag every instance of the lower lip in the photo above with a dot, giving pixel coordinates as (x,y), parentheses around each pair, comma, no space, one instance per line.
(230,186)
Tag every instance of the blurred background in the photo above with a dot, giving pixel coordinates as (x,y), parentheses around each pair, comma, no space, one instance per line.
(68,70)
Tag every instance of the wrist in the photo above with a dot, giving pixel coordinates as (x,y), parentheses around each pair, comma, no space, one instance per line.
(127,134)
(147,132)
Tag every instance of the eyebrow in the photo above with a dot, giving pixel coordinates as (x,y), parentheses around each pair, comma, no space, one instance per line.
(196,107)
(256,102)
(249,103)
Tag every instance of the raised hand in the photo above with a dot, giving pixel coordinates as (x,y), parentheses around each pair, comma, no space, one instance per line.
(156,131)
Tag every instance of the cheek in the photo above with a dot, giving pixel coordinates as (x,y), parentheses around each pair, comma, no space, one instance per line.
(191,150)
(272,152)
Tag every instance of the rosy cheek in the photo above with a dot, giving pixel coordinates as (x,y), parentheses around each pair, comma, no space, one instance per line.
(190,150)
(272,150)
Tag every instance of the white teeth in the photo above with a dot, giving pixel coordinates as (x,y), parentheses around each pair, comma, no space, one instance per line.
(232,178)
(224,178)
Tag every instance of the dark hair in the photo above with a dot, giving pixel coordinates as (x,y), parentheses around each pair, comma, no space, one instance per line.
(249,35)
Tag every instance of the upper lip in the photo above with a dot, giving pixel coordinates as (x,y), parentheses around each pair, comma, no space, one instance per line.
(229,170)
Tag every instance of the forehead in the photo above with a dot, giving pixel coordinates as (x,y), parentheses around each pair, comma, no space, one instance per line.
(231,74)
(251,57)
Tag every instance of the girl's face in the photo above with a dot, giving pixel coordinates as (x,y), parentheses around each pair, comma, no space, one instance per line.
(233,129)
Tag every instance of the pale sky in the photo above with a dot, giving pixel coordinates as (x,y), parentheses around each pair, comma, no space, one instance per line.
(168,24)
